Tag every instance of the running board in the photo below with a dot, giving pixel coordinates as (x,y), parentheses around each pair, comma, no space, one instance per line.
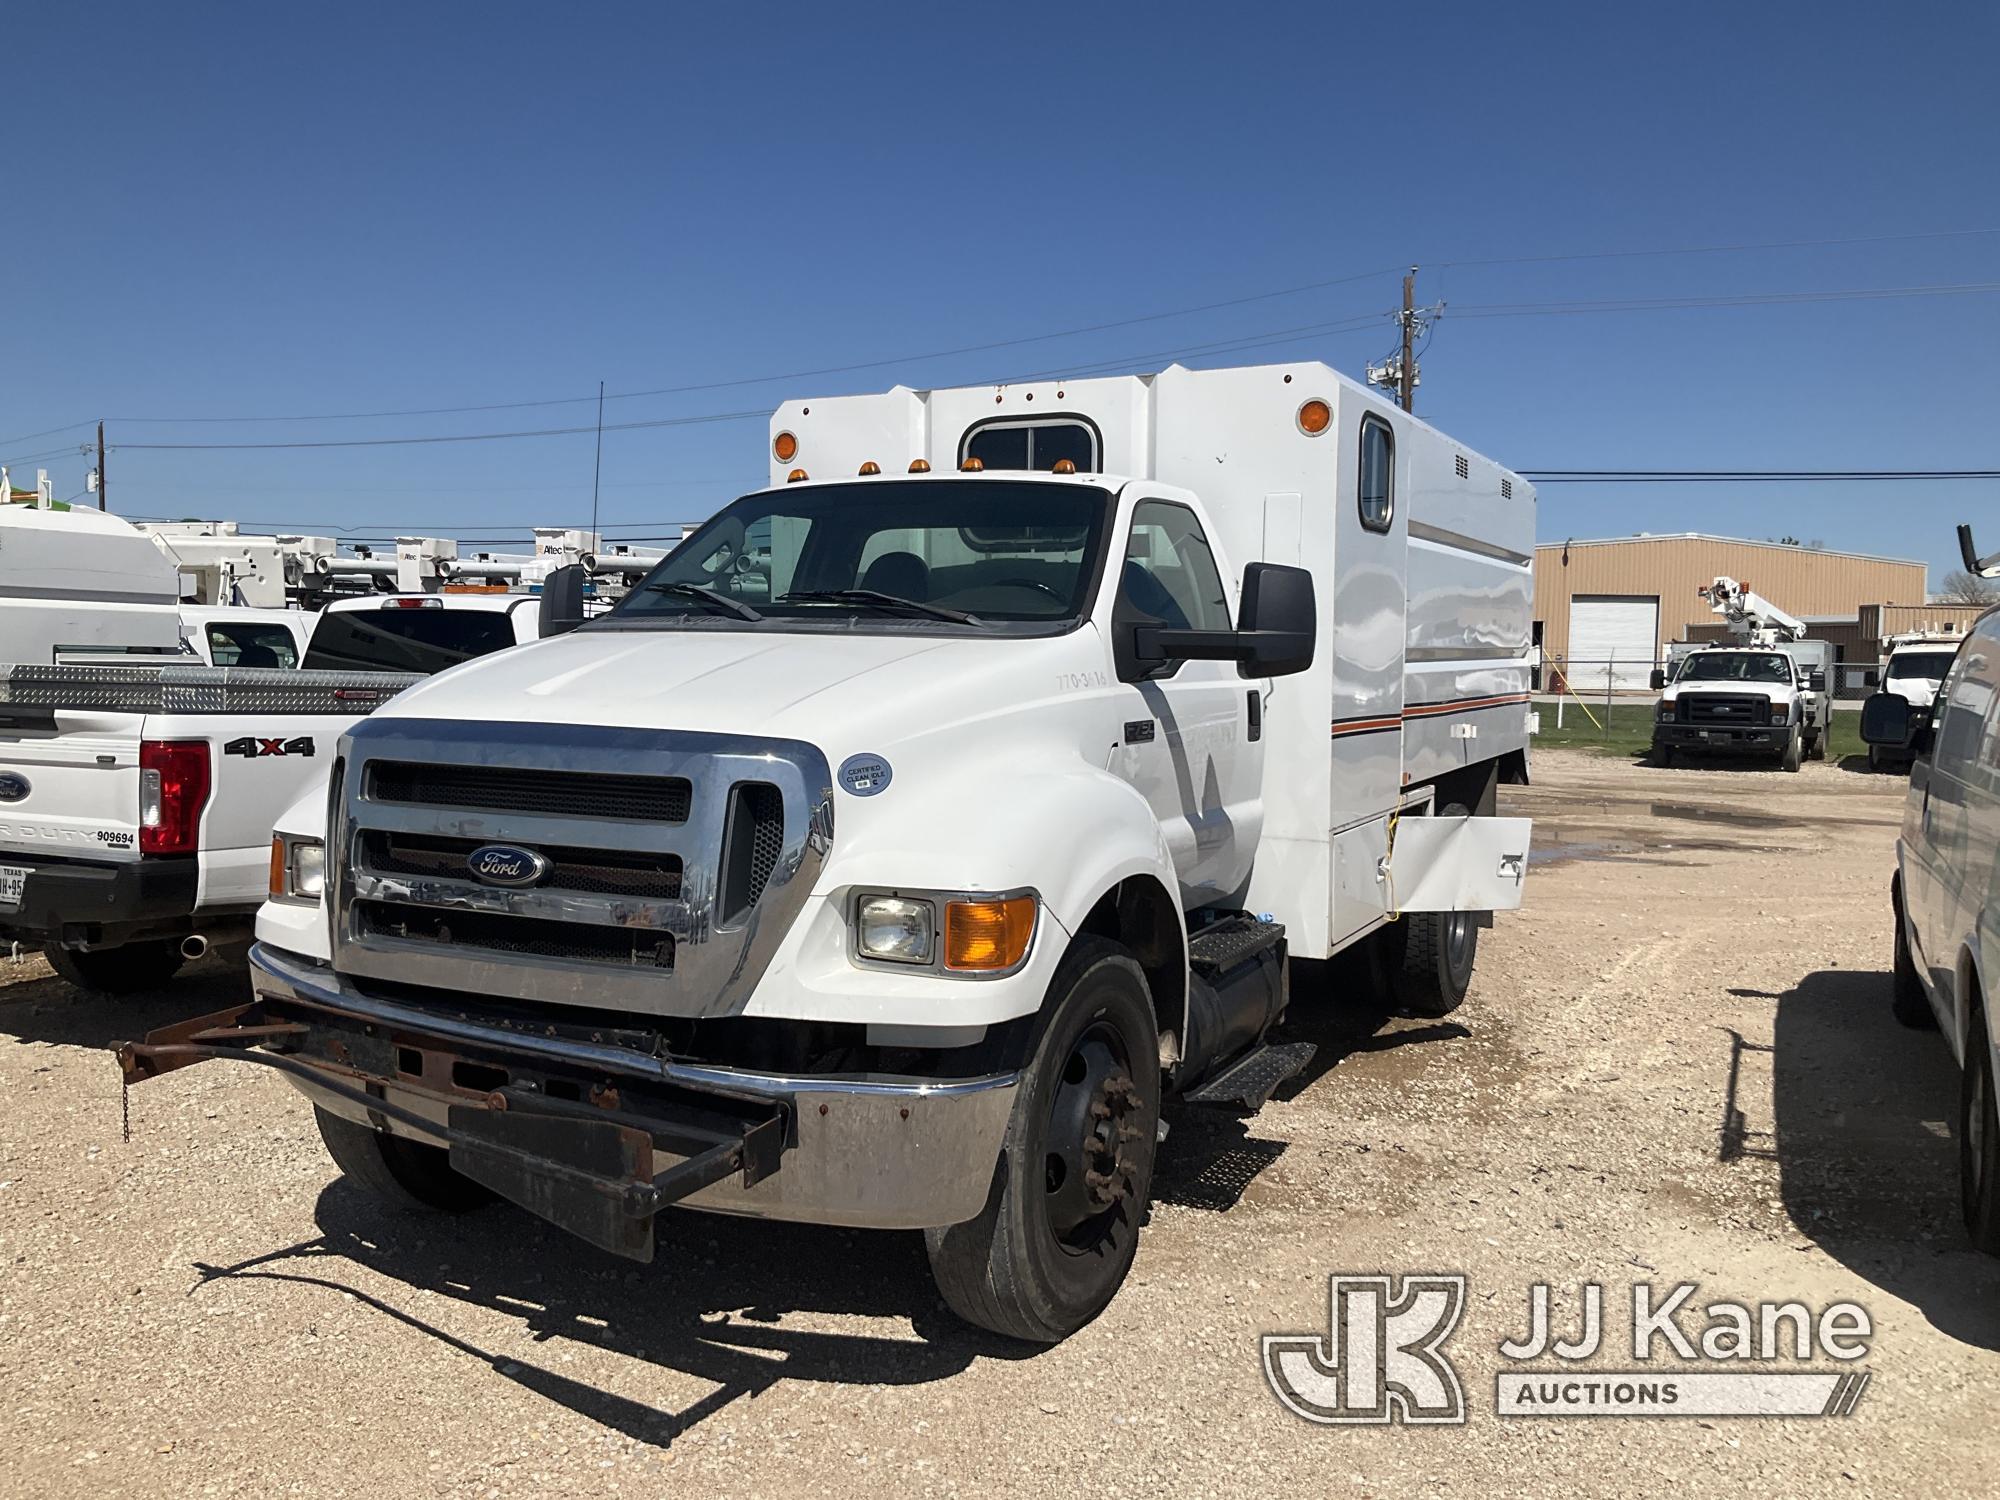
(1249,1082)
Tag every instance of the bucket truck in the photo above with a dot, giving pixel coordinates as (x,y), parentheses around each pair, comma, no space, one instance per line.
(1762,692)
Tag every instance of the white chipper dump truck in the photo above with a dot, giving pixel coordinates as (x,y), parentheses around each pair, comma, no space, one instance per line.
(919,826)
(1763,692)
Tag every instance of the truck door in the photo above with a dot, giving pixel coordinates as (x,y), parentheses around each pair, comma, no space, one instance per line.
(1186,741)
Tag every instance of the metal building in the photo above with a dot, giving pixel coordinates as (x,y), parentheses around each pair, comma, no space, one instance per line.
(1605,609)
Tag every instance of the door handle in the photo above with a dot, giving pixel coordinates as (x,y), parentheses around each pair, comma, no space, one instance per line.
(1256,716)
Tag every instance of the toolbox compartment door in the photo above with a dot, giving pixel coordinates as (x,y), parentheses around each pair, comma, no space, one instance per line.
(1458,864)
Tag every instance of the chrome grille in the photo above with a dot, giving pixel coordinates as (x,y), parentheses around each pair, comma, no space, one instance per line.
(676,861)
(649,799)
(608,872)
(1736,709)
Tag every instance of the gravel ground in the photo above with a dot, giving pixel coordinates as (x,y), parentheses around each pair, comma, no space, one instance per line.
(1677,1063)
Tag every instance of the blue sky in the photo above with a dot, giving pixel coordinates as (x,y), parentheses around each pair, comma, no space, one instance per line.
(273,211)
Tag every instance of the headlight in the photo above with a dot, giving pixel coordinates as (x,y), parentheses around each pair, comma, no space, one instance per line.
(1780,712)
(895,929)
(298,869)
(1666,709)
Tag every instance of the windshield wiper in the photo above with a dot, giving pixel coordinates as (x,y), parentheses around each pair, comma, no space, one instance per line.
(881,600)
(707,596)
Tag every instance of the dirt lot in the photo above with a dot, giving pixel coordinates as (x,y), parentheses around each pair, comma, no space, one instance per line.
(1678,1063)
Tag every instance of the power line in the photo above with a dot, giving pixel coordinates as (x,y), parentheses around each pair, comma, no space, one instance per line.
(873,364)
(1857,239)
(1751,299)
(1749,476)
(31,436)
(458,437)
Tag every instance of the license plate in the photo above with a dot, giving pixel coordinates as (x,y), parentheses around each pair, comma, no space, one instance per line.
(13,883)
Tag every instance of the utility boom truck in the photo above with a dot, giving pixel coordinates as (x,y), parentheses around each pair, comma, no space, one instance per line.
(919,826)
(1763,692)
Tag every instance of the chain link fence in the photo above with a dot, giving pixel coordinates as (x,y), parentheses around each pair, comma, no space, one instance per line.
(1611,680)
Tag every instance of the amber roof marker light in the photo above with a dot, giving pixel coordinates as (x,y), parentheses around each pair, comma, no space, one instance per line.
(795,476)
(785,447)
(1064,466)
(1315,416)
(871,467)
(920,466)
(971,466)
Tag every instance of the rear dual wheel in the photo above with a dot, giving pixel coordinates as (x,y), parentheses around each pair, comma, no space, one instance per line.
(1069,1193)
(129,969)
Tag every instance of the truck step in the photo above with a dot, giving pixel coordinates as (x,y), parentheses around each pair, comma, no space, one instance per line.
(1250,1081)
(1223,945)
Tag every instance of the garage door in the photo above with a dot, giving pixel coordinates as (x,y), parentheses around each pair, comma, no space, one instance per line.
(1612,636)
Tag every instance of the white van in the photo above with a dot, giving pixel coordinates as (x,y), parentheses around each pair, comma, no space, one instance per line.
(1946,892)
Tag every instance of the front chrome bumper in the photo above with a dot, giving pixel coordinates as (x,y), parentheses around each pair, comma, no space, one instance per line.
(864,1150)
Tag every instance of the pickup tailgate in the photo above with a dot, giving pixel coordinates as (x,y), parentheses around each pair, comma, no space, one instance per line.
(74,735)
(74,789)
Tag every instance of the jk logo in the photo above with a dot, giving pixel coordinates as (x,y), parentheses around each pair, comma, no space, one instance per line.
(1382,1362)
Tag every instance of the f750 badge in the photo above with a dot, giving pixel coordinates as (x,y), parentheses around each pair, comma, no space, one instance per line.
(250,747)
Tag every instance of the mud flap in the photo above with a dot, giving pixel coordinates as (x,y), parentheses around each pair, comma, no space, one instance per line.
(1459,864)
(591,1177)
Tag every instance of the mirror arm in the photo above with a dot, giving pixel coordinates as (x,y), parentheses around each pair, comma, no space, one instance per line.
(1158,643)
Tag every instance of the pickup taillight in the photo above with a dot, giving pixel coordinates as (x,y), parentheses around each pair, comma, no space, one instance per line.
(173,789)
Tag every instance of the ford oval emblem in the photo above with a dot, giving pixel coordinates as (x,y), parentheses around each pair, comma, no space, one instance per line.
(865,775)
(13,786)
(505,864)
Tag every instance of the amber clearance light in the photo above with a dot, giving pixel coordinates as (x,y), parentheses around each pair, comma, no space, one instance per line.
(785,446)
(982,936)
(1315,417)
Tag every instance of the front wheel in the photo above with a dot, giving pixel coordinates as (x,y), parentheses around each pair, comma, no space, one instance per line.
(127,970)
(1792,756)
(1979,1141)
(409,1174)
(1076,1169)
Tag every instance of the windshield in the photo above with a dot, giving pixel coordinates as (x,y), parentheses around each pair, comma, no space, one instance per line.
(1927,666)
(955,555)
(1737,666)
(404,640)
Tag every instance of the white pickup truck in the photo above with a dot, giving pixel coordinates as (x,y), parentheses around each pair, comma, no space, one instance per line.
(896,848)
(1913,671)
(1745,700)
(136,802)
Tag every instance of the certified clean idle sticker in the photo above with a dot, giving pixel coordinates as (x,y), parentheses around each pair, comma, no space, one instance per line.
(865,775)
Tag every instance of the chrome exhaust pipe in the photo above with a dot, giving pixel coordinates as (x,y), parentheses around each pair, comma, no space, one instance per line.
(194,947)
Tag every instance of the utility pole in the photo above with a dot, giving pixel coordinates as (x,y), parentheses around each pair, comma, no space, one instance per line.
(100,451)
(1406,376)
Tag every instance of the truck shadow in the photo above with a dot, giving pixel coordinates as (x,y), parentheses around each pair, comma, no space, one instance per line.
(1862,1130)
(712,1305)
(49,1009)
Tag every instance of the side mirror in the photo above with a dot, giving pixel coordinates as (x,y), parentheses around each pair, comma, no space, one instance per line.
(1886,720)
(1659,679)
(1276,630)
(1816,682)
(562,601)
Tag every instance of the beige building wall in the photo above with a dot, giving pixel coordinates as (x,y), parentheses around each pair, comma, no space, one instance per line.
(1799,580)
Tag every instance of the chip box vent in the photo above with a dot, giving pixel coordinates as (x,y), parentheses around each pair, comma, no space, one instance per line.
(1506,489)
(1464,468)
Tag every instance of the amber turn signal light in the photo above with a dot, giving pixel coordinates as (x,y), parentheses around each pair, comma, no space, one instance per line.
(277,867)
(1315,417)
(984,936)
(785,446)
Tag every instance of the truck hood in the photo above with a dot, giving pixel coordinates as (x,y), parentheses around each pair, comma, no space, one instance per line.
(1775,692)
(829,689)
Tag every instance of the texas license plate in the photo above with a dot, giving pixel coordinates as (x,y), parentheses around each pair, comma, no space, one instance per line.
(13,882)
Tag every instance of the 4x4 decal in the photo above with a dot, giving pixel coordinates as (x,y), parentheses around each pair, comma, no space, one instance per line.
(250,747)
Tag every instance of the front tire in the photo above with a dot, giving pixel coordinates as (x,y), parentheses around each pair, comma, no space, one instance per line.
(1792,752)
(409,1174)
(127,970)
(1979,1142)
(1663,755)
(1070,1190)
(1907,1001)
